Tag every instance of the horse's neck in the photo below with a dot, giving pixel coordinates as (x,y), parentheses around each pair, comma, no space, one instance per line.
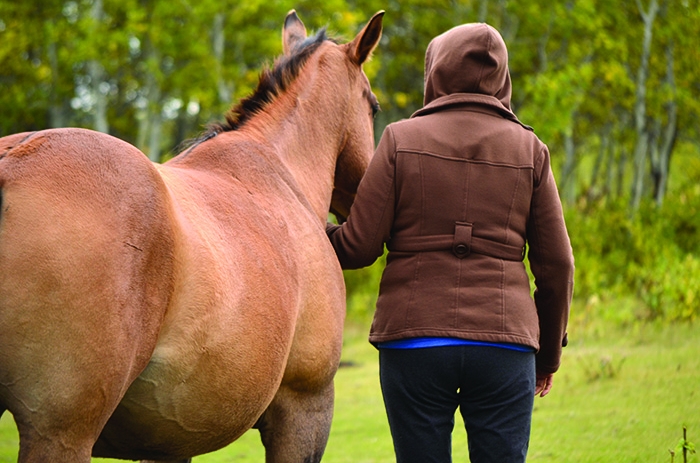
(307,138)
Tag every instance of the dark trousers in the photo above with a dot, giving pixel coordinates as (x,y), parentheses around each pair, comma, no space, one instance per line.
(493,388)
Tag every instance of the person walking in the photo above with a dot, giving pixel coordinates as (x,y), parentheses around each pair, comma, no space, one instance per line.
(457,193)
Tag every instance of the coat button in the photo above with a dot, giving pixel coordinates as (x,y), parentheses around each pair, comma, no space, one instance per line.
(461,249)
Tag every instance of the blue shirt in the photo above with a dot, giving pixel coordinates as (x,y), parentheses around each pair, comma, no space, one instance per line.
(420,343)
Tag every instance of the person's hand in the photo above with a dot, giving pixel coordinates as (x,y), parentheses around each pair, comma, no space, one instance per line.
(543,384)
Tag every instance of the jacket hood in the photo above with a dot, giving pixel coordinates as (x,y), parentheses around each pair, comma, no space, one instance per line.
(472,59)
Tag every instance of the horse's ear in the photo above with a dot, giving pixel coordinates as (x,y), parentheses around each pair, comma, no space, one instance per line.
(362,45)
(293,32)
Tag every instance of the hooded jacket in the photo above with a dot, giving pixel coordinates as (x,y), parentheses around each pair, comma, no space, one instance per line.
(456,193)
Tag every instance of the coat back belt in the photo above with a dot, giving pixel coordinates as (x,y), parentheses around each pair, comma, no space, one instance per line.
(461,243)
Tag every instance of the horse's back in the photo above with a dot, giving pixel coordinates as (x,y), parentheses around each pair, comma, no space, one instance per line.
(85,265)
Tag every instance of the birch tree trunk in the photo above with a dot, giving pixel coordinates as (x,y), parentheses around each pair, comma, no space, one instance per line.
(156,132)
(593,189)
(97,76)
(667,135)
(568,183)
(218,44)
(149,110)
(641,148)
(152,117)
(56,109)
(483,11)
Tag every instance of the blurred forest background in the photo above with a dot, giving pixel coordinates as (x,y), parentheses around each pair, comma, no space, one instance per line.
(612,87)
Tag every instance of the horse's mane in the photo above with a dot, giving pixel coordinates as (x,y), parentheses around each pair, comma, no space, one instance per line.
(273,82)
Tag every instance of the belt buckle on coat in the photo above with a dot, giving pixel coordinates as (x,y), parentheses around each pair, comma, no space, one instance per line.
(462,242)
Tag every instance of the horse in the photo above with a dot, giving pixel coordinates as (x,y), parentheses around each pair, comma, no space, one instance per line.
(159,311)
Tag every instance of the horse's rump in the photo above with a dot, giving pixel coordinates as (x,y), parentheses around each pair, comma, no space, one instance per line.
(80,230)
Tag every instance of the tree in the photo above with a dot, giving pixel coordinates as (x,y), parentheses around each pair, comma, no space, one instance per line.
(611,87)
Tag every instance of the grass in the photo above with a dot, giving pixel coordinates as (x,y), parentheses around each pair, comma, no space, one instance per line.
(620,396)
(631,412)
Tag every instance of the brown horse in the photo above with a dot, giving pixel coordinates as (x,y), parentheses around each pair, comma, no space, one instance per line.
(160,311)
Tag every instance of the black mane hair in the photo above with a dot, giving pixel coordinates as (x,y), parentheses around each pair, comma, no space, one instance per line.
(273,82)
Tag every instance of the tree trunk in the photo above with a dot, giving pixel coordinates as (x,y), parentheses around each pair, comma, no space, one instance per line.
(218,44)
(155,134)
(97,77)
(483,11)
(56,111)
(668,142)
(568,184)
(622,165)
(509,23)
(593,190)
(642,146)
(667,135)
(152,114)
(610,176)
(149,110)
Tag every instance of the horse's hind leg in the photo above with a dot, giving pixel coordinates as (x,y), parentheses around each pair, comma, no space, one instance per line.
(61,445)
(58,419)
(296,425)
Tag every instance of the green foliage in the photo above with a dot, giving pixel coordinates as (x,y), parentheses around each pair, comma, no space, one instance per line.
(642,266)
(362,290)
(573,63)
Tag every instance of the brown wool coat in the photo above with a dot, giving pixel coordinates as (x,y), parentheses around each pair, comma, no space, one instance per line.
(455,192)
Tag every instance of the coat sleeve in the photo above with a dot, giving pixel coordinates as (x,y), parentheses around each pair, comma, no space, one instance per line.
(552,264)
(360,240)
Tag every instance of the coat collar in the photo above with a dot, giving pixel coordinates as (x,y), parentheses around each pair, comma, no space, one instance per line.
(463,99)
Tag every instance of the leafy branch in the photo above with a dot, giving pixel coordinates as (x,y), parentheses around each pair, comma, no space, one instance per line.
(683,446)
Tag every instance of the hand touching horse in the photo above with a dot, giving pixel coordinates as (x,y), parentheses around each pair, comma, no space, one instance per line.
(160,311)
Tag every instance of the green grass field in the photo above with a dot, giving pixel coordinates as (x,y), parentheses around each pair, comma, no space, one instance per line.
(619,397)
